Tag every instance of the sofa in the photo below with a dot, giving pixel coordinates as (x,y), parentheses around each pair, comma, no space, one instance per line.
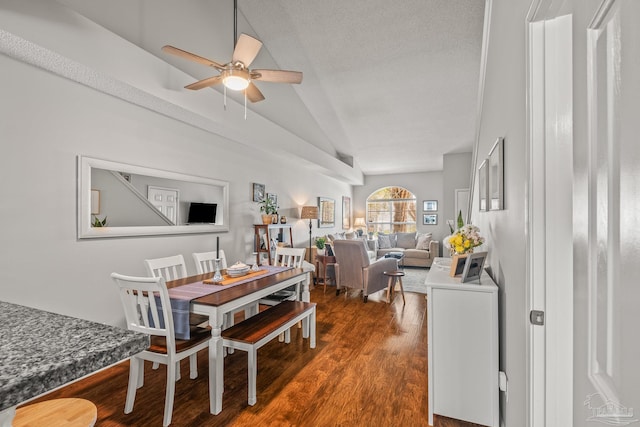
(419,249)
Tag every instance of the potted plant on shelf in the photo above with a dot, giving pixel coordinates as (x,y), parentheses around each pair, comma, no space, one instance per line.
(268,208)
(320,244)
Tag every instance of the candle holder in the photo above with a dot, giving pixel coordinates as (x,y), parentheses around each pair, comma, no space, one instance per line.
(217,276)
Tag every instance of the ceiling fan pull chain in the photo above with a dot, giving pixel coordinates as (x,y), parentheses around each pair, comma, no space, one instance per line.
(245,104)
(225,98)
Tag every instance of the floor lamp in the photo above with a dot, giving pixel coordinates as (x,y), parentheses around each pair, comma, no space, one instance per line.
(310,213)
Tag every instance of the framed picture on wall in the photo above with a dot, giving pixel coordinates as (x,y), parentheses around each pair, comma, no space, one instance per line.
(258,192)
(430,219)
(496,176)
(273,198)
(327,209)
(483,185)
(430,206)
(346,212)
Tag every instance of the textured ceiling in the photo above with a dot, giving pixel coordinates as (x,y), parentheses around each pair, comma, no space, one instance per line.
(392,84)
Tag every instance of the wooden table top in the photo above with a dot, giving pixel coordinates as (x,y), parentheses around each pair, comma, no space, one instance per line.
(236,291)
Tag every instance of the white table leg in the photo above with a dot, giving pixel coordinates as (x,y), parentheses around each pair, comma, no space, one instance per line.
(216,363)
(306,297)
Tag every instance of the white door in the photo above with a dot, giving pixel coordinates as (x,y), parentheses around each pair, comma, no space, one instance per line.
(550,222)
(607,232)
(165,200)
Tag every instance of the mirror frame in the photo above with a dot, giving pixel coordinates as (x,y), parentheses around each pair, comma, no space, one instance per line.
(86,231)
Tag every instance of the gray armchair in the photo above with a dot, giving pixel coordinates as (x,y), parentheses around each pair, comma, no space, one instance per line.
(354,269)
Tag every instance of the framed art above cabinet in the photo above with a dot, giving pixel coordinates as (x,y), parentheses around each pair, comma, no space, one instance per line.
(142,201)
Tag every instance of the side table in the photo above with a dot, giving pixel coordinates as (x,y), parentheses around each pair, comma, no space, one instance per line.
(324,261)
(395,276)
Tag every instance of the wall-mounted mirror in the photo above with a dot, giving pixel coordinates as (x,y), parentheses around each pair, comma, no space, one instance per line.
(327,214)
(117,199)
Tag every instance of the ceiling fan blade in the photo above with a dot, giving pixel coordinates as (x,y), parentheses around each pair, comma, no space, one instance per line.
(253,93)
(191,56)
(246,49)
(211,81)
(278,76)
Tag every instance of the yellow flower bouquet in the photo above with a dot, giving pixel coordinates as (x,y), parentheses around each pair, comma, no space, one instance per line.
(465,239)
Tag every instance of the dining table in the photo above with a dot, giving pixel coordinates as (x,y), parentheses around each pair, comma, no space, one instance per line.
(224,299)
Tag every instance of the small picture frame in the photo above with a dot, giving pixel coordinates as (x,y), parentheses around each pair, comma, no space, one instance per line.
(273,197)
(258,192)
(473,267)
(429,205)
(430,219)
(457,264)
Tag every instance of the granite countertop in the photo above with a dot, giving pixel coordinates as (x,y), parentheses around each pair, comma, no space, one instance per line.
(40,351)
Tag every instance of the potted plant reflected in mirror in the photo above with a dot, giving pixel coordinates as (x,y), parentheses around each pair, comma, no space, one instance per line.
(268,209)
(97,222)
(320,245)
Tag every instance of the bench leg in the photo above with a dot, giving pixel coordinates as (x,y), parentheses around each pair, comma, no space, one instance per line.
(252,368)
(311,320)
(287,336)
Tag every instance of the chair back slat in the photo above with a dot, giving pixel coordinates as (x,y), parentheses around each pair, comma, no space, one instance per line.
(205,261)
(147,307)
(289,257)
(169,268)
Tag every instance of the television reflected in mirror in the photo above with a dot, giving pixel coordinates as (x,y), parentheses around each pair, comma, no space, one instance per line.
(202,213)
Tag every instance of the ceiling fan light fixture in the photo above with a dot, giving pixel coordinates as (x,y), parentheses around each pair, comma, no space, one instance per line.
(235,79)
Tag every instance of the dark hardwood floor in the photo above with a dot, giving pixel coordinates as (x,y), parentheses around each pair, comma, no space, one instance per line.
(369,369)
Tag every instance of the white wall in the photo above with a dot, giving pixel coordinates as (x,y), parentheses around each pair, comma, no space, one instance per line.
(503,115)
(456,175)
(49,120)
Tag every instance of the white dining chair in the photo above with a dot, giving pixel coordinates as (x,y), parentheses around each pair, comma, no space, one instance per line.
(206,261)
(286,257)
(172,268)
(138,297)
(169,268)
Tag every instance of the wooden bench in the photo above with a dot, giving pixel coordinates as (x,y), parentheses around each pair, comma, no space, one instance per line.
(254,332)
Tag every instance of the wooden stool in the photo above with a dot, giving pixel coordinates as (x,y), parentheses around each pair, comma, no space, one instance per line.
(57,413)
(394,276)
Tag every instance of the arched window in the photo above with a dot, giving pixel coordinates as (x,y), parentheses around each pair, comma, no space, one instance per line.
(391,210)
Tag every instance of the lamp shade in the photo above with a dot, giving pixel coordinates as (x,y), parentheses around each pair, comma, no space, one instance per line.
(359,222)
(309,212)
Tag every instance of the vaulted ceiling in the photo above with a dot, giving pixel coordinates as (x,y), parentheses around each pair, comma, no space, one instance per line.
(389,86)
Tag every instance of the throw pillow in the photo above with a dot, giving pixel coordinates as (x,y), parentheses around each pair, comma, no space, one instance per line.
(350,235)
(406,240)
(423,241)
(383,241)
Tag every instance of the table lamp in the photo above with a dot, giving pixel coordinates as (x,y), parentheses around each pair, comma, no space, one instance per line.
(359,224)
(309,212)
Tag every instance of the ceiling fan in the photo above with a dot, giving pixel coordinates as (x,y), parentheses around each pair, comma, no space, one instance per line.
(236,75)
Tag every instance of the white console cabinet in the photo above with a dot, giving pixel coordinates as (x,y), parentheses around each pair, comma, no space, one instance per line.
(463,347)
